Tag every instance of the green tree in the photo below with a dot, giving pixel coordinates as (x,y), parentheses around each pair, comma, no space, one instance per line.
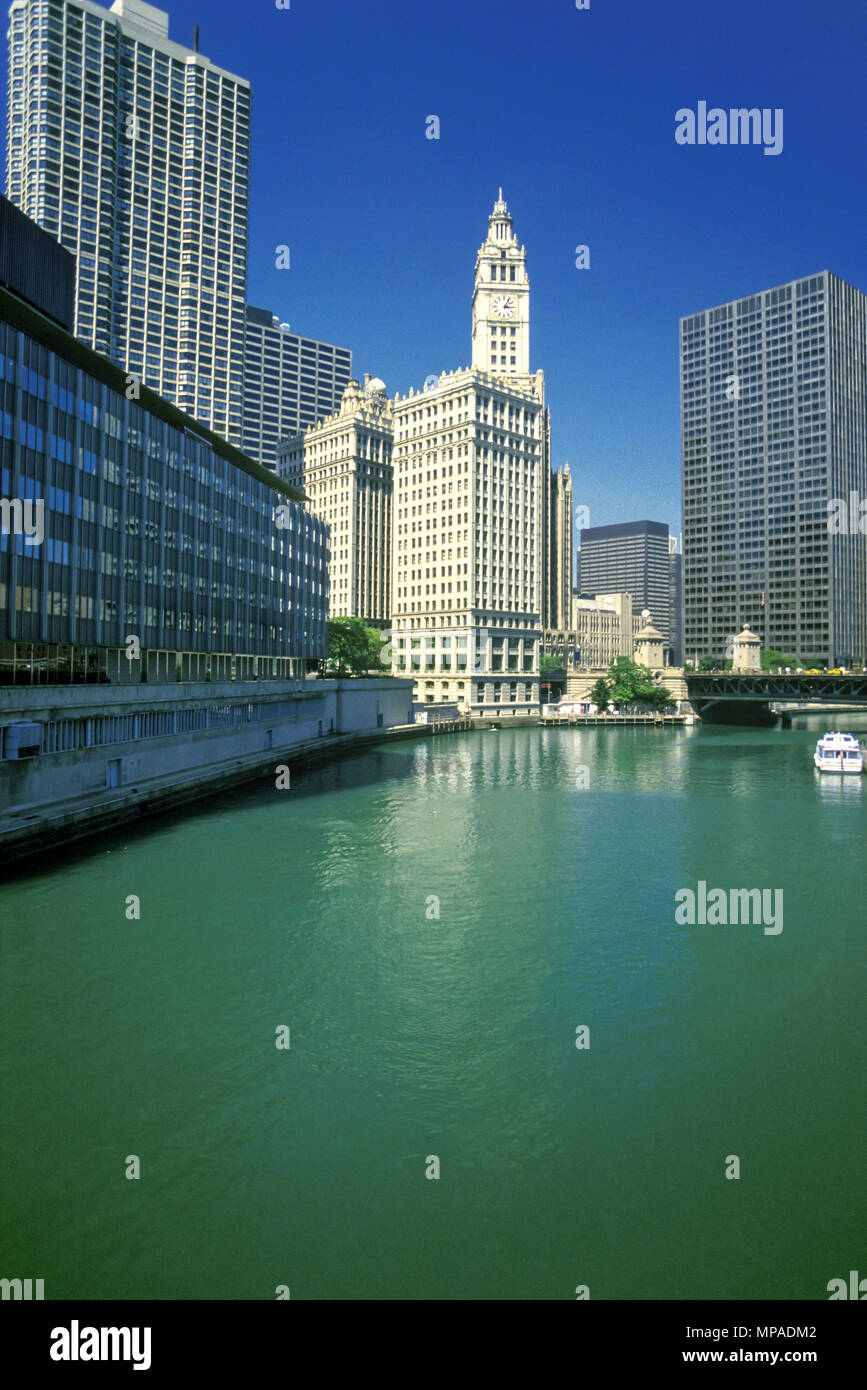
(349,649)
(375,648)
(662,698)
(550,663)
(600,694)
(634,685)
(771,659)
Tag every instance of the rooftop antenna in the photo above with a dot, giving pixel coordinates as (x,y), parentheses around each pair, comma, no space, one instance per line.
(195,38)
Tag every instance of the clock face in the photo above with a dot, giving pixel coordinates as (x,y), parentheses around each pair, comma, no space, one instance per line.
(503,306)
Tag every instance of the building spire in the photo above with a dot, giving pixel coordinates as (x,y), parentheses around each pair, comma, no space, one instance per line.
(501,214)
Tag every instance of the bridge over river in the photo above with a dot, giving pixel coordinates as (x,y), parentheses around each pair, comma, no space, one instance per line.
(746,698)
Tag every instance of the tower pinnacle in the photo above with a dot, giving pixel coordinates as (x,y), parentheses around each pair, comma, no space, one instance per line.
(501,304)
(501,212)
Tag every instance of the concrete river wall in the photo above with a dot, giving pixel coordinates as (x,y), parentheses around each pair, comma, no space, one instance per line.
(76,759)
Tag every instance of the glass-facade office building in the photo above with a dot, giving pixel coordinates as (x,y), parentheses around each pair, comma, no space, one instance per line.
(35,266)
(153,528)
(774,444)
(134,152)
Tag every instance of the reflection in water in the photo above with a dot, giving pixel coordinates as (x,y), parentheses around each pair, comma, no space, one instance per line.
(839,787)
(434,919)
(824,723)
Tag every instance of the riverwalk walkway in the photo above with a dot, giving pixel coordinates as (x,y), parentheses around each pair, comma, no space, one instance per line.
(614,721)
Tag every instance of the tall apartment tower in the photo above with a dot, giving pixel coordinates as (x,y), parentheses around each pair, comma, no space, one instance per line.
(290,383)
(774,446)
(556,549)
(134,152)
(468,459)
(629,557)
(344,465)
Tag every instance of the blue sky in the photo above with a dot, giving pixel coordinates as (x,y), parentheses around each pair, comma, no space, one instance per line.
(573,112)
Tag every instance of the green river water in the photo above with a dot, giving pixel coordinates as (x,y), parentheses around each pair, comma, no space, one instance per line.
(552,857)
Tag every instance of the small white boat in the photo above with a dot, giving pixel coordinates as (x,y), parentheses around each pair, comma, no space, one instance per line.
(839,753)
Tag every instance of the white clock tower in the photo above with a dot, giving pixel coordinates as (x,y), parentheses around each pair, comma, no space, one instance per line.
(501,300)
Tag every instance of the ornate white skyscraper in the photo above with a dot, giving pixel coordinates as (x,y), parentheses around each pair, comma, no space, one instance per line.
(501,300)
(343,464)
(469,452)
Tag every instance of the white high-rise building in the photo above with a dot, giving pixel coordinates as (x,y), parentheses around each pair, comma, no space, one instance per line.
(468,460)
(344,465)
(134,152)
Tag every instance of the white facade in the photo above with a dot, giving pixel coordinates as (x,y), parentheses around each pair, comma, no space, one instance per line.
(556,556)
(134,152)
(344,465)
(501,300)
(604,628)
(468,460)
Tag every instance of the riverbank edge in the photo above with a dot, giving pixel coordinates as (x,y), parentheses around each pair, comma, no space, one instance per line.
(83,817)
(63,823)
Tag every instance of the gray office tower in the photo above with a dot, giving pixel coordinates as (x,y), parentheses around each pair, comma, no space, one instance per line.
(629,557)
(134,152)
(774,444)
(289,383)
(675,590)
